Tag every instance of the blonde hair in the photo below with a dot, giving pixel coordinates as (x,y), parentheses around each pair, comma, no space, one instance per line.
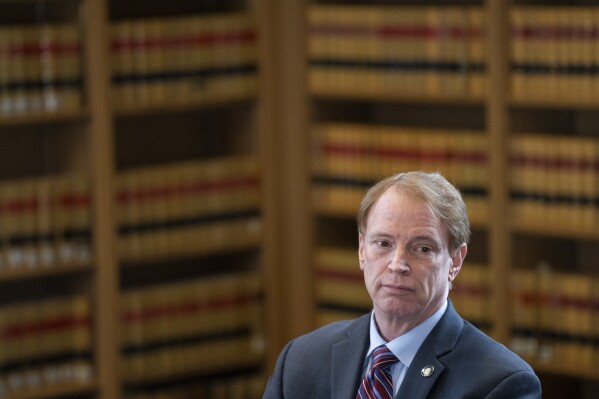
(444,199)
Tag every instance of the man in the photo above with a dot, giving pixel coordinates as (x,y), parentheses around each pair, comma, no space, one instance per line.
(413,234)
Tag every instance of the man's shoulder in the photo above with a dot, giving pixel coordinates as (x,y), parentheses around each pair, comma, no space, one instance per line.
(490,351)
(328,335)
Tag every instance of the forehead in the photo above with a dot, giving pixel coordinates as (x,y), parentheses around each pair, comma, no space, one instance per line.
(398,209)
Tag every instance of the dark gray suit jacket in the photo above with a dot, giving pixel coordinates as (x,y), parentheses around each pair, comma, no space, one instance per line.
(327,363)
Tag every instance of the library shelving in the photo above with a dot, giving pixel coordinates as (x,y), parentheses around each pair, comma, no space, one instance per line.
(382,86)
(394,87)
(179,178)
(136,194)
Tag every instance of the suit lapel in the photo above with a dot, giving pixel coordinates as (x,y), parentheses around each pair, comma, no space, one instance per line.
(441,340)
(347,359)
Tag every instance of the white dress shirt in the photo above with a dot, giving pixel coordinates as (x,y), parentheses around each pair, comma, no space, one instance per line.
(403,347)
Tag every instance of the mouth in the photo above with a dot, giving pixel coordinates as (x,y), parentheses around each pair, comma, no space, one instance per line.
(397,288)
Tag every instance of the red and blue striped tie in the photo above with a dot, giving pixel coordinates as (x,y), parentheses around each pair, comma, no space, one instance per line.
(377,383)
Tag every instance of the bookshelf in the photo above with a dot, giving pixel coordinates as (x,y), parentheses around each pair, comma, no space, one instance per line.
(137,190)
(347,101)
(151,170)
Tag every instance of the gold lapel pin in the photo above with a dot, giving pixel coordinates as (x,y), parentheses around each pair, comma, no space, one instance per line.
(427,371)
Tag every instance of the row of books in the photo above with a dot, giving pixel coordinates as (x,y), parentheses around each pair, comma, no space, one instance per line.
(348,158)
(188,208)
(40,69)
(341,294)
(554,53)
(556,318)
(433,51)
(203,325)
(34,377)
(170,328)
(555,183)
(216,355)
(45,223)
(239,387)
(191,308)
(161,61)
(174,209)
(34,330)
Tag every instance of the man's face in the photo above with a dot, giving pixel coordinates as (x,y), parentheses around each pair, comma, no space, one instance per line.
(405,257)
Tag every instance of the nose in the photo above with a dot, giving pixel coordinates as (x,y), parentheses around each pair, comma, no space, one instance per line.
(398,262)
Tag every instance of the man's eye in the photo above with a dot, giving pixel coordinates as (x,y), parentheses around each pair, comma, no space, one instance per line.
(424,249)
(383,244)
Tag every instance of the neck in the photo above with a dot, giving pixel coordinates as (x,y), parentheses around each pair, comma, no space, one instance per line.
(391,326)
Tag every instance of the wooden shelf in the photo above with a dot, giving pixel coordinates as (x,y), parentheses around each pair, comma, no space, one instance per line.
(228,248)
(280,115)
(175,108)
(41,272)
(57,391)
(555,232)
(33,119)
(557,368)
(192,374)
(554,104)
(395,98)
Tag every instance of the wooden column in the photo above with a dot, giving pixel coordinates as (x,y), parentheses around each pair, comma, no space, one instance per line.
(497,129)
(107,353)
(292,126)
(270,145)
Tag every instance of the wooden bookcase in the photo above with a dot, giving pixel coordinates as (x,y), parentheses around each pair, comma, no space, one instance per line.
(103,140)
(508,249)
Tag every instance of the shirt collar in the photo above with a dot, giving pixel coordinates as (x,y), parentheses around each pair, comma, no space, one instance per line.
(406,346)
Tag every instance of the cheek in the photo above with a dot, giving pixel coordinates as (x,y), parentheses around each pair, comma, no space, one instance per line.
(433,275)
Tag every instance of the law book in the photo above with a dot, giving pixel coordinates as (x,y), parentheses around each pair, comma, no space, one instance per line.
(477,76)
(345,150)
(235,39)
(49,54)
(16,63)
(525,299)
(69,67)
(121,64)
(167,362)
(32,69)
(191,308)
(13,207)
(518,52)
(573,180)
(139,55)
(529,176)
(433,36)
(566,42)
(581,53)
(470,293)
(542,62)
(5,71)
(45,229)
(435,150)
(339,279)
(77,201)
(43,328)
(156,65)
(571,300)
(595,56)
(455,83)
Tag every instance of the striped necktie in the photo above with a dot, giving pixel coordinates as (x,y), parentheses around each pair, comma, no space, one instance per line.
(377,383)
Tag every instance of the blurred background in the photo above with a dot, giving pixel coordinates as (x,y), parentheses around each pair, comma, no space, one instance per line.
(179,181)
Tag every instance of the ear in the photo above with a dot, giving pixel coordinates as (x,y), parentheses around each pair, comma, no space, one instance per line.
(361,251)
(456,261)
